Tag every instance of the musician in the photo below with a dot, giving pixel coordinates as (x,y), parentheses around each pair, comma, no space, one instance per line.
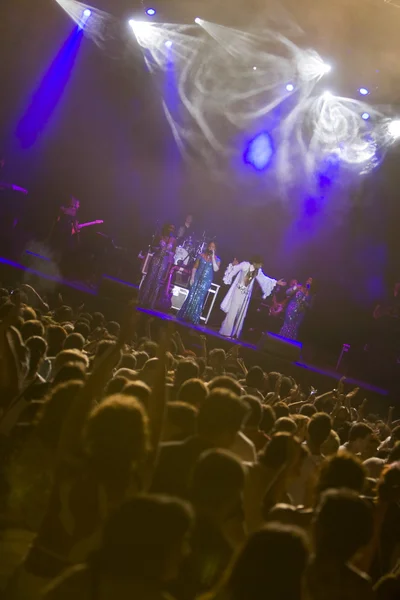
(183,230)
(281,298)
(63,236)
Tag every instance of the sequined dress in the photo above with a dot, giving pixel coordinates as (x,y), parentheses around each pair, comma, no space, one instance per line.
(295,312)
(192,308)
(153,286)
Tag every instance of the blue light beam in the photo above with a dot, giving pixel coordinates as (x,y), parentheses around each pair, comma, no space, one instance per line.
(47,96)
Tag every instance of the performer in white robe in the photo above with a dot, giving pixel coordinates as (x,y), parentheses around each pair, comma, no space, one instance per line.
(236,301)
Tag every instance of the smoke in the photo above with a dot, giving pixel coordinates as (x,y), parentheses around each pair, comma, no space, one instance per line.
(230,83)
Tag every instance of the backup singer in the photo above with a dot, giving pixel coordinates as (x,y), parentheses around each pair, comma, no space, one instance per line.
(236,302)
(202,276)
(301,299)
(153,286)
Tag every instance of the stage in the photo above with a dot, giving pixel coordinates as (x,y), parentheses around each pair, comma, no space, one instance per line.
(277,354)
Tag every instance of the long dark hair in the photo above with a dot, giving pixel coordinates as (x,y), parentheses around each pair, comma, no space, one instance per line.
(139,535)
(261,569)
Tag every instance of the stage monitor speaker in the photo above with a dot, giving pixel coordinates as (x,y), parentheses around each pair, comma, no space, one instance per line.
(280,347)
(179,295)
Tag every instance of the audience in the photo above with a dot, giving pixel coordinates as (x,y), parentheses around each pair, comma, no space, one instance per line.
(358,438)
(143,545)
(219,419)
(141,468)
(271,565)
(343,525)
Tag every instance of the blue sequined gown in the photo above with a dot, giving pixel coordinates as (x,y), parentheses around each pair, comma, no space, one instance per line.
(295,312)
(193,306)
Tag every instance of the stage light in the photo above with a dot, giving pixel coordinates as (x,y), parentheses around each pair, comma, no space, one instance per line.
(254,68)
(197,21)
(289,87)
(394,128)
(327,94)
(143,30)
(365,116)
(168,43)
(326,68)
(150,12)
(87,12)
(363,91)
(259,151)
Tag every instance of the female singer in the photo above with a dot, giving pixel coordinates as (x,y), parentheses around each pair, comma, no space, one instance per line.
(300,301)
(202,276)
(151,290)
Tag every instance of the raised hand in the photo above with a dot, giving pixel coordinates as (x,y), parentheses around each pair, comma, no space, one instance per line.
(352,393)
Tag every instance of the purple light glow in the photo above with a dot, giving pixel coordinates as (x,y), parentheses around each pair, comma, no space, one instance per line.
(259,151)
(87,12)
(151,12)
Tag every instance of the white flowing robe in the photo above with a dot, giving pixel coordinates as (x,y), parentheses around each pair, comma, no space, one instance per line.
(236,301)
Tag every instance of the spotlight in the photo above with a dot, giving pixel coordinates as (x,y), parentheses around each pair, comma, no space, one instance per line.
(327,94)
(326,68)
(143,30)
(363,91)
(87,12)
(254,68)
(289,87)
(259,151)
(150,12)
(394,128)
(365,116)
(168,43)
(197,21)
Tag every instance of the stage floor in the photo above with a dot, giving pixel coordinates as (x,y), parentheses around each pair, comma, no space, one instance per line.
(39,268)
(325,372)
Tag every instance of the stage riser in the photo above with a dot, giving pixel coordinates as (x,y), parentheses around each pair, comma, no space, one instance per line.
(279,347)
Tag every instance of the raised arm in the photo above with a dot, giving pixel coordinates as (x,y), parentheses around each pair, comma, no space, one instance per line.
(216,262)
(34,296)
(71,432)
(232,270)
(266,283)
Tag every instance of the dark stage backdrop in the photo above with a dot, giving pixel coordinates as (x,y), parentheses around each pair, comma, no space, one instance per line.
(108,143)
